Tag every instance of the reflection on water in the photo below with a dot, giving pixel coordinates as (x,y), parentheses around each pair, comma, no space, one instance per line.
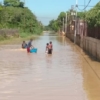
(60,76)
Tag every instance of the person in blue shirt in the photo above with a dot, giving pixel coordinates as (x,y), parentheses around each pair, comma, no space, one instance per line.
(24,45)
(29,45)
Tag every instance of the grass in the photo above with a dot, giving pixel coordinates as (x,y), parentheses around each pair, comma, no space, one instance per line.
(16,40)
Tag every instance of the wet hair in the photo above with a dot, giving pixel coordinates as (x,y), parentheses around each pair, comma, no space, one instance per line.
(31,39)
(47,43)
(50,42)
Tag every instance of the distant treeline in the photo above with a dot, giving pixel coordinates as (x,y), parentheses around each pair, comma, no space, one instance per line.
(92,17)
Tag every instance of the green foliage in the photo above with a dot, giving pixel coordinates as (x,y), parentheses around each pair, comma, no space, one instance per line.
(0,7)
(51,24)
(81,15)
(61,16)
(15,16)
(14,3)
(93,16)
(46,28)
(55,25)
(60,19)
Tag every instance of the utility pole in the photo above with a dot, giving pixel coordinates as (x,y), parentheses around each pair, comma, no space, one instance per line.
(84,20)
(63,24)
(75,21)
(66,24)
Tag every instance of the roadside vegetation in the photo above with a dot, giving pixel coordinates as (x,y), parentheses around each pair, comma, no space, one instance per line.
(15,16)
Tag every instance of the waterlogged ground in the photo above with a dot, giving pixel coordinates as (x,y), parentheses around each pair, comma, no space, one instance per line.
(67,74)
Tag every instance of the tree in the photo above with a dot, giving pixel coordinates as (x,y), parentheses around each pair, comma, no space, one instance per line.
(81,15)
(21,4)
(1,6)
(60,18)
(14,3)
(57,24)
(93,16)
(20,18)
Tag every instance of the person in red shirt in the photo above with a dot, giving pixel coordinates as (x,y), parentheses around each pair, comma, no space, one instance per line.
(29,45)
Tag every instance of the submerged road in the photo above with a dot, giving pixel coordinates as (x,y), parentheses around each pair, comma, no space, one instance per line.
(67,74)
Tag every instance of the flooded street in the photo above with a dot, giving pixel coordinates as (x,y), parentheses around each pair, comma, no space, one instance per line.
(67,74)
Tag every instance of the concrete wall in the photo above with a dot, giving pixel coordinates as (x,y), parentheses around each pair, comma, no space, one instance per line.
(71,37)
(90,45)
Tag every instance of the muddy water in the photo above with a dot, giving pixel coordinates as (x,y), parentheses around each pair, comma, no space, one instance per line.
(64,75)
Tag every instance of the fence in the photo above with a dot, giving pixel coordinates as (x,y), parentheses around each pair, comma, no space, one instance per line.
(81,28)
(93,32)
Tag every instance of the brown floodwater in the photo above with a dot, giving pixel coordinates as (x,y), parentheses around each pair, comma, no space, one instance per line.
(67,74)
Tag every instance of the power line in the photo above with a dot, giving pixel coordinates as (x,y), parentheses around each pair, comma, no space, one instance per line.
(82,6)
(85,6)
(88,6)
(95,8)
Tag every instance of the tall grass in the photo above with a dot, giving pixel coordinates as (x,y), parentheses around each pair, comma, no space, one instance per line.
(22,36)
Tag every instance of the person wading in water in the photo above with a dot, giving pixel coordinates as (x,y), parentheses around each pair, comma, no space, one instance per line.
(24,45)
(29,45)
(50,48)
(47,46)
